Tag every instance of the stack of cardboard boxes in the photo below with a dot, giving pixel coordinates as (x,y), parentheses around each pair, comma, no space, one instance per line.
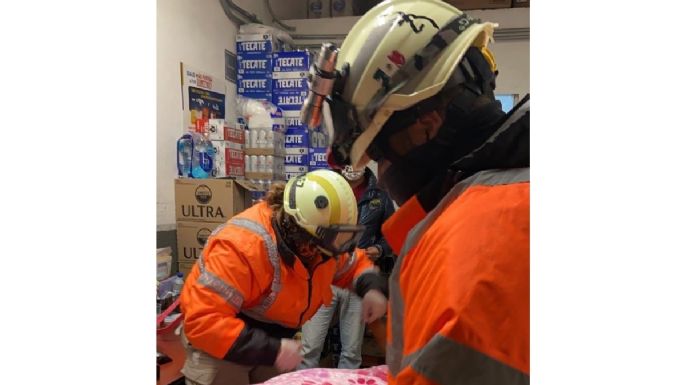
(254,54)
(267,73)
(229,149)
(202,205)
(265,143)
(290,90)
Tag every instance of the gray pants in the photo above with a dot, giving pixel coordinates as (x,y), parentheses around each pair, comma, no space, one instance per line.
(351,331)
(202,369)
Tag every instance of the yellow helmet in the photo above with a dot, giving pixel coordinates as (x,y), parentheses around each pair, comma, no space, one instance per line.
(323,203)
(389,35)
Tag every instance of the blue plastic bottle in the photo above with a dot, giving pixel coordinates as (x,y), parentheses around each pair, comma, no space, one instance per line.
(184,154)
(203,157)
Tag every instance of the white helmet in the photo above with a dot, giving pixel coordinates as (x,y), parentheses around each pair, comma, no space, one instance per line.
(400,53)
(323,204)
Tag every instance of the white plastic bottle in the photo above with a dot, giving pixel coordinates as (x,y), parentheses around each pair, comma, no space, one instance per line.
(247,164)
(254,138)
(269,167)
(254,163)
(261,141)
(261,163)
(269,137)
(177,284)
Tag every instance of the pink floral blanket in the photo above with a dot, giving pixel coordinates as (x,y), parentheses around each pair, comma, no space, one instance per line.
(377,375)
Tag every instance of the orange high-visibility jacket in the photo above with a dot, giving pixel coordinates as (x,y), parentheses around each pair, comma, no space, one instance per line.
(460,289)
(459,294)
(241,297)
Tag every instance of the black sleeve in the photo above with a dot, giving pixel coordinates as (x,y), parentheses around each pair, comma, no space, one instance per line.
(370,281)
(254,347)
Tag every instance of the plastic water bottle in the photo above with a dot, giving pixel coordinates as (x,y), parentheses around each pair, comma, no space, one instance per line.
(177,284)
(184,154)
(203,157)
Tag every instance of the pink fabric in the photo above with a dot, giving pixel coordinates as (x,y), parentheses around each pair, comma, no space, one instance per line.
(377,375)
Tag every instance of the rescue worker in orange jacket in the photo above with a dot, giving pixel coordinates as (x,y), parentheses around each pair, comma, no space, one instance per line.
(266,272)
(413,89)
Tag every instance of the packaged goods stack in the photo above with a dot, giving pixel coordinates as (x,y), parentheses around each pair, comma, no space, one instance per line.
(262,123)
(254,61)
(264,128)
(202,205)
(229,149)
(290,89)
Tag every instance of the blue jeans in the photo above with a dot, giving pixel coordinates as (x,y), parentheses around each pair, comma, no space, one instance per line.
(351,331)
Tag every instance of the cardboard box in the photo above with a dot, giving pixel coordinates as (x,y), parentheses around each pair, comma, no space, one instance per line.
(218,130)
(289,101)
(292,120)
(296,150)
(314,168)
(301,169)
(191,238)
(257,43)
(215,129)
(229,159)
(255,86)
(296,160)
(317,157)
(255,64)
(465,5)
(218,169)
(290,175)
(289,85)
(211,200)
(291,61)
(274,176)
(521,4)
(297,137)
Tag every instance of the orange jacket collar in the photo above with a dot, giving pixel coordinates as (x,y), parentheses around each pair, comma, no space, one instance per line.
(396,228)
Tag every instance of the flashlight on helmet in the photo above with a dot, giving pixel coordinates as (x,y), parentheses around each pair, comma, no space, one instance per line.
(322,75)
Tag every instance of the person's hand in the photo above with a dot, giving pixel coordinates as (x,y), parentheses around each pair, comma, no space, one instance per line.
(374,305)
(373,252)
(289,355)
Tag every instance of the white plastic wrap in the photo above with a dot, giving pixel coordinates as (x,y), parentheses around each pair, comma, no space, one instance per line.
(260,114)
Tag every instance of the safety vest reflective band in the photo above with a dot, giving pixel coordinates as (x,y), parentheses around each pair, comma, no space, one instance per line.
(462,364)
(219,286)
(263,306)
(419,360)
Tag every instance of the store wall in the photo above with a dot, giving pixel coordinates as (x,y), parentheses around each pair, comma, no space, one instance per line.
(194,32)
